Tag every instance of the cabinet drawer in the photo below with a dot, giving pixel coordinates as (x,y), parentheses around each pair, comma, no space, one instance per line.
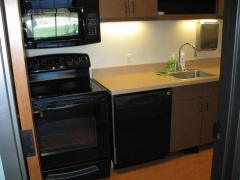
(194,91)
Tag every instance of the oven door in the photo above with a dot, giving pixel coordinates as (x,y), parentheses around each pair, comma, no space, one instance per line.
(71,130)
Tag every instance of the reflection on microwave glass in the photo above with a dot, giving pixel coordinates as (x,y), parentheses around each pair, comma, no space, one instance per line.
(51,26)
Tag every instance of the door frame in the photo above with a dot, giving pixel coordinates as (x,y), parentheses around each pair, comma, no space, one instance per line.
(226,155)
(13,25)
(12,162)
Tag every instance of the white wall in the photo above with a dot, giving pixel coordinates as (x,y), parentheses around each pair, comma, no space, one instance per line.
(147,41)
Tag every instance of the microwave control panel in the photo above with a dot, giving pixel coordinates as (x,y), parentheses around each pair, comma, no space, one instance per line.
(92,24)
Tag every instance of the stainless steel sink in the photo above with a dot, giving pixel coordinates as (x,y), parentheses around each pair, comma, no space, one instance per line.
(190,74)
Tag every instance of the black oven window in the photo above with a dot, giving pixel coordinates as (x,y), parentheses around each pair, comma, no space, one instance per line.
(67,134)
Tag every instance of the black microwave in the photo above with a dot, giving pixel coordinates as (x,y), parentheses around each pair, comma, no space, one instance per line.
(60,23)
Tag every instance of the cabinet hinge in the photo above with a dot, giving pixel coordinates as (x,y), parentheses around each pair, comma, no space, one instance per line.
(27,143)
(216,131)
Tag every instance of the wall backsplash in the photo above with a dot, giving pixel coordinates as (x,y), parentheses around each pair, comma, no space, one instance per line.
(147,42)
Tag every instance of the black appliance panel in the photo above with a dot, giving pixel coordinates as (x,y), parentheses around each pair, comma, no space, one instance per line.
(187,6)
(54,62)
(70,117)
(61,74)
(64,88)
(52,4)
(72,129)
(48,24)
(56,88)
(142,127)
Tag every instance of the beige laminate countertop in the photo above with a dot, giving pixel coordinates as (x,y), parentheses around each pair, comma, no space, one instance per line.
(143,81)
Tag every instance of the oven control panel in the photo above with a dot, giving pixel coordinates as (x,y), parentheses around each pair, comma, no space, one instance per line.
(57,62)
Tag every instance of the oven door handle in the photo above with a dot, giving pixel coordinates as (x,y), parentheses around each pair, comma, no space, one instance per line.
(38,111)
(64,107)
(72,174)
(78,103)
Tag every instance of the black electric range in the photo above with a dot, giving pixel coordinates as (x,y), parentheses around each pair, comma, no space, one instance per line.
(70,117)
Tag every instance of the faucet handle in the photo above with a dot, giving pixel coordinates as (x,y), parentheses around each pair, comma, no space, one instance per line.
(186,67)
(179,67)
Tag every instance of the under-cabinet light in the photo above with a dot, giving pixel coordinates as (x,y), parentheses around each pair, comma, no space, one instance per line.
(189,25)
(203,21)
(120,27)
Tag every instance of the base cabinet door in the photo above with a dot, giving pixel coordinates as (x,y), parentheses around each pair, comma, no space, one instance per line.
(208,118)
(186,124)
(194,110)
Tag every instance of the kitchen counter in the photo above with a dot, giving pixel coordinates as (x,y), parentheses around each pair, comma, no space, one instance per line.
(127,79)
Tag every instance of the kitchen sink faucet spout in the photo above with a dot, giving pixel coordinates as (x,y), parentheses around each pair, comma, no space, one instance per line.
(179,55)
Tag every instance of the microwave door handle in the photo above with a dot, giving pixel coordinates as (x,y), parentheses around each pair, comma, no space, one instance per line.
(83,24)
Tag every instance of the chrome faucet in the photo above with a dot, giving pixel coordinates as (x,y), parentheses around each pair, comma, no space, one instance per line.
(195,55)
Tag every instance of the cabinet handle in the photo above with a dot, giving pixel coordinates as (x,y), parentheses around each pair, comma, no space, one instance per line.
(133,4)
(200,107)
(206,106)
(125,6)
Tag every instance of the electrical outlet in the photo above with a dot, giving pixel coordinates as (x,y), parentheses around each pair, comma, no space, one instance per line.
(128,58)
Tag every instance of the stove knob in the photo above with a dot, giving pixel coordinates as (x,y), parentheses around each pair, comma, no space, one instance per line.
(69,60)
(77,60)
(35,63)
(84,60)
(43,62)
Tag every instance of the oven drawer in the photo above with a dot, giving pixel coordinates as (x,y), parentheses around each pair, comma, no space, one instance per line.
(88,171)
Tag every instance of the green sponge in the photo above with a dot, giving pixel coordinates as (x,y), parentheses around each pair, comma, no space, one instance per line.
(161,73)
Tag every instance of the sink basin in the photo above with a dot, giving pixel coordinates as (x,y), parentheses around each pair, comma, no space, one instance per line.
(190,74)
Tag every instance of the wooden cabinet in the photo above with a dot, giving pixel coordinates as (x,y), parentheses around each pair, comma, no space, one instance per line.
(220,8)
(119,9)
(111,10)
(114,9)
(143,8)
(194,109)
(208,118)
(186,124)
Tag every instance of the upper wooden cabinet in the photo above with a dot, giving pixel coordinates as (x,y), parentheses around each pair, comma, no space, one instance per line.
(111,10)
(143,8)
(220,8)
(122,9)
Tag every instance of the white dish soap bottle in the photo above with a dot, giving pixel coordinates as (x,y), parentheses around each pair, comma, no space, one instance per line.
(182,60)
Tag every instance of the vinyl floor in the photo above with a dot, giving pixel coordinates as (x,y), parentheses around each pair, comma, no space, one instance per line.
(176,166)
